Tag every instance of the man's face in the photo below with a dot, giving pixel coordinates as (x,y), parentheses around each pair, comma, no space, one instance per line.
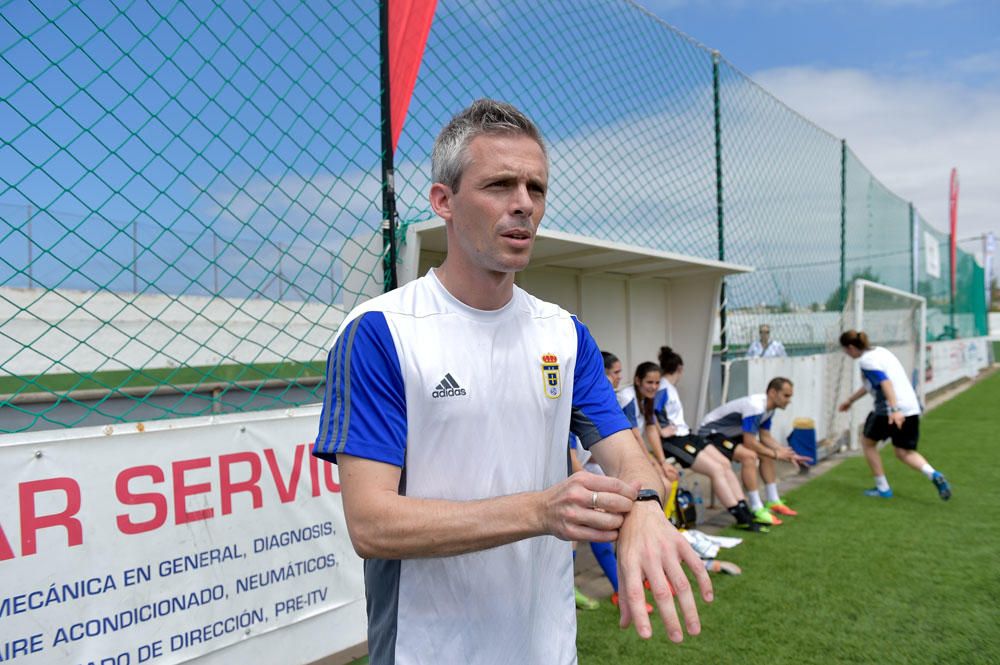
(783,397)
(499,204)
(765,334)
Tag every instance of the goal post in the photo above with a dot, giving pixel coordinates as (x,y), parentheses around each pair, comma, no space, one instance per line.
(892,318)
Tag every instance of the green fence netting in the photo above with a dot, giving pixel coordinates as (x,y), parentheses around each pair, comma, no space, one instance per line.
(190,193)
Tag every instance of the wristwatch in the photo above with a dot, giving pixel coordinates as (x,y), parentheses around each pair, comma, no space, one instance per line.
(649,495)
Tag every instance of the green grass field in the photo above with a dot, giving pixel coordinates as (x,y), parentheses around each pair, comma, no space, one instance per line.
(854,579)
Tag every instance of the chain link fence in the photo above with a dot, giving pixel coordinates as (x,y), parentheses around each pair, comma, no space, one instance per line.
(190,193)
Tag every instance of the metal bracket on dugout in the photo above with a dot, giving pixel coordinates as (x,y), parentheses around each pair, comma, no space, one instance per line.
(632,298)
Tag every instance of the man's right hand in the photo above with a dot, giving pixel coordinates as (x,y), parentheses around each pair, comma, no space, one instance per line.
(569,512)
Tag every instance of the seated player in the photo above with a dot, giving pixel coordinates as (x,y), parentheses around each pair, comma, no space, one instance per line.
(637,403)
(693,452)
(741,430)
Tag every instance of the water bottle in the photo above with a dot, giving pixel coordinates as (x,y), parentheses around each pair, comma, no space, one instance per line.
(699,503)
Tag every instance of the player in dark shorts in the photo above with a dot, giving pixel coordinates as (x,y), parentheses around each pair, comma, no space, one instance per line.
(896,414)
(692,451)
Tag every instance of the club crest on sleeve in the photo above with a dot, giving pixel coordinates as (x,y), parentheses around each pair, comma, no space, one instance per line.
(550,376)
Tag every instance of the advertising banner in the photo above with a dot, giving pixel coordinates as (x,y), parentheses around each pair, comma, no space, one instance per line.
(158,543)
(953,360)
(932,256)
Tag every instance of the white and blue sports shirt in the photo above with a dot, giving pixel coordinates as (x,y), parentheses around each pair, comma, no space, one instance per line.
(668,408)
(747,414)
(470,404)
(877,365)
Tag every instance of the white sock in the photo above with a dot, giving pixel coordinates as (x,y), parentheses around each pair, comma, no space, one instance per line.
(755,502)
(881,483)
(772,492)
(928,471)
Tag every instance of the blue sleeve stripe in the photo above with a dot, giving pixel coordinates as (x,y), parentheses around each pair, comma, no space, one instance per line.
(874,376)
(341,434)
(595,414)
(334,391)
(750,424)
(766,425)
(629,411)
(660,402)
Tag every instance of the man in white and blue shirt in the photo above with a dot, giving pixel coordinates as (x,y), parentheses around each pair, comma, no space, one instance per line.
(447,408)
(741,430)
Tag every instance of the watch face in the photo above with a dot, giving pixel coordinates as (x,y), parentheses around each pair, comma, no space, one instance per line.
(647,495)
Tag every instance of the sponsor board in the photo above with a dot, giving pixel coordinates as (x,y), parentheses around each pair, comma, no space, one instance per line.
(952,360)
(163,542)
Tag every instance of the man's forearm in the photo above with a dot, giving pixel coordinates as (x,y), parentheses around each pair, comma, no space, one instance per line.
(620,457)
(758,446)
(402,527)
(383,524)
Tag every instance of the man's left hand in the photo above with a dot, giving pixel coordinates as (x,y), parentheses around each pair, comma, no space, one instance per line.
(650,548)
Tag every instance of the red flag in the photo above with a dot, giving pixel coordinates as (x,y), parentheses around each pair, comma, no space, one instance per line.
(409,25)
(953,210)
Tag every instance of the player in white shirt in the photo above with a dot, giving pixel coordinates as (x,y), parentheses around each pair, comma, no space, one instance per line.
(741,430)
(690,450)
(765,347)
(448,406)
(896,415)
(637,402)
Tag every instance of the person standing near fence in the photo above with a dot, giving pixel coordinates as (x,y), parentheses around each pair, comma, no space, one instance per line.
(765,347)
(448,405)
(896,415)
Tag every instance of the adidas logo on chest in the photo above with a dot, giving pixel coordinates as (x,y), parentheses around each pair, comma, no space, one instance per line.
(448,387)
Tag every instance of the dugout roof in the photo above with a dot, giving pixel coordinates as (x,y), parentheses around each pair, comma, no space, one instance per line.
(634,299)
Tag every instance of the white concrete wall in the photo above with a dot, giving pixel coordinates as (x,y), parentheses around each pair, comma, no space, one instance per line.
(85,331)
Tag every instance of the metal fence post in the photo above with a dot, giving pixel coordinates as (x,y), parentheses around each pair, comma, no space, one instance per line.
(388,169)
(843,222)
(720,225)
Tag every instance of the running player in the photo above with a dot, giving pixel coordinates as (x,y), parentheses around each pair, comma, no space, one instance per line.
(896,415)
(741,430)
(693,452)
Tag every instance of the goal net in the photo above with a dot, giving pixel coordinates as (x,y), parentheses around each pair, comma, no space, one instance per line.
(894,319)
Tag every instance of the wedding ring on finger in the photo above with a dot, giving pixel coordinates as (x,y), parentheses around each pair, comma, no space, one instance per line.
(593,500)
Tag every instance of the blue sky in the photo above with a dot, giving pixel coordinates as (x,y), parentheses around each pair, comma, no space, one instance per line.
(913,85)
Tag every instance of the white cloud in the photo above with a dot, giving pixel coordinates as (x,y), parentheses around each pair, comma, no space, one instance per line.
(910,133)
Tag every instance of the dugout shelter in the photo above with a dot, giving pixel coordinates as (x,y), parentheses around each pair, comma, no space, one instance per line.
(633,299)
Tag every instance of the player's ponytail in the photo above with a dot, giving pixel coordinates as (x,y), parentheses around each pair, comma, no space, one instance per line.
(855,338)
(669,360)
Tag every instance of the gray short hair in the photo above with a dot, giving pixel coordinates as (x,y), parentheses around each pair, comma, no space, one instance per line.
(483,116)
